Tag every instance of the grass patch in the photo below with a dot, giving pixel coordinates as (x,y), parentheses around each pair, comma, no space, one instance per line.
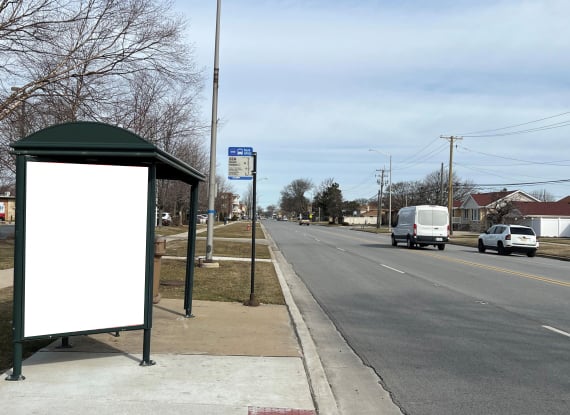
(238,229)
(6,253)
(221,248)
(169,230)
(230,282)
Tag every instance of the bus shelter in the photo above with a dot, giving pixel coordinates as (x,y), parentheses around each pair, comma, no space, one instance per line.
(72,276)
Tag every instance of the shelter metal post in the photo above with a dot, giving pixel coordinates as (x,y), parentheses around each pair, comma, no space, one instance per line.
(151,206)
(191,250)
(18,306)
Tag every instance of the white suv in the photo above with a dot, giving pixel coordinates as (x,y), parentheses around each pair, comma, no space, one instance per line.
(509,238)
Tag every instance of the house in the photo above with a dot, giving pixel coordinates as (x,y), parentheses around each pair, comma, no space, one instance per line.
(546,218)
(478,210)
(481,210)
(7,207)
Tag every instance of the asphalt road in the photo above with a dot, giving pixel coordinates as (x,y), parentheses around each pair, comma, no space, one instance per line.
(447,332)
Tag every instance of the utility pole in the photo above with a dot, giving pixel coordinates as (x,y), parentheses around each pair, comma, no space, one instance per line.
(451,139)
(380,191)
(441,186)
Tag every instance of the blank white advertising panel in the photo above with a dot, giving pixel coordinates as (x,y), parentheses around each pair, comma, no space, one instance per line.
(85,247)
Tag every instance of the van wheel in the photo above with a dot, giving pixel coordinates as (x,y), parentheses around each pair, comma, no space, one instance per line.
(441,247)
(394,243)
(530,254)
(409,243)
(481,246)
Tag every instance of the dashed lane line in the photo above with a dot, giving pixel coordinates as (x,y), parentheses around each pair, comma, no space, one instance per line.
(393,269)
(555,330)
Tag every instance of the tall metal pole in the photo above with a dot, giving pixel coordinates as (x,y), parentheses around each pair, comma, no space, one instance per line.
(213,130)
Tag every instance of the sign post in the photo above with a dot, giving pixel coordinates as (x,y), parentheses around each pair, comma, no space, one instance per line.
(242,165)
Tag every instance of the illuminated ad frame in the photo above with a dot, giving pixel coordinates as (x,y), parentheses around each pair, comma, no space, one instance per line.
(78,276)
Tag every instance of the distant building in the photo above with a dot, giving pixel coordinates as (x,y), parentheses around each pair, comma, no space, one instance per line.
(7,207)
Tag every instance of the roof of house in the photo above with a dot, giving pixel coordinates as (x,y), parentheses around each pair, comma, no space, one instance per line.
(484,199)
(559,208)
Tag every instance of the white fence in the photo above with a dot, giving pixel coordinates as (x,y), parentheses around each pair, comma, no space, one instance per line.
(356,220)
(553,227)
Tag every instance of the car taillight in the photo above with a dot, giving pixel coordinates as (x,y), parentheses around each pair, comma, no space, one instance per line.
(415,229)
(508,237)
(448,231)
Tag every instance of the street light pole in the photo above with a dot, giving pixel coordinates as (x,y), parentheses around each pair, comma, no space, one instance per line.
(213,130)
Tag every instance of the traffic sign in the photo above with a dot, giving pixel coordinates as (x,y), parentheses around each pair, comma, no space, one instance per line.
(240,163)
(240,151)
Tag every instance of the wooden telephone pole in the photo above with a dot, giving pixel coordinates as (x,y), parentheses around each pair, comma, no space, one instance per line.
(451,139)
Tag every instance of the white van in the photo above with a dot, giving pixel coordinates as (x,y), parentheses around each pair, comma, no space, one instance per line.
(422,226)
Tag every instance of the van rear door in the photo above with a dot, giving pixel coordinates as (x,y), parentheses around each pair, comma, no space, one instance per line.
(433,223)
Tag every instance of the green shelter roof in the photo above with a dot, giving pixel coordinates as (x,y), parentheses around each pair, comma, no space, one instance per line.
(93,142)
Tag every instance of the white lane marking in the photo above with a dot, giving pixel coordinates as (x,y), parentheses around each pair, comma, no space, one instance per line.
(340,249)
(557,331)
(393,269)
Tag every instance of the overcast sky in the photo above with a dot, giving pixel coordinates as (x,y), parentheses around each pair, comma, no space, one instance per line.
(312,85)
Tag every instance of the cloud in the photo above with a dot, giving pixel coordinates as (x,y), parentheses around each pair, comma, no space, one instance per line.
(313,84)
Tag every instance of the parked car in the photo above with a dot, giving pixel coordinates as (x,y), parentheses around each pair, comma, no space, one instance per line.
(506,239)
(202,218)
(166,219)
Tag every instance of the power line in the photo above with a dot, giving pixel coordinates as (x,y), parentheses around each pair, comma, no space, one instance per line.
(515,125)
(418,153)
(550,163)
(530,130)
(560,181)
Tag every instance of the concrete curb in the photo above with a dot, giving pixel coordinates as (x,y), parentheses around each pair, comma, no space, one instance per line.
(323,396)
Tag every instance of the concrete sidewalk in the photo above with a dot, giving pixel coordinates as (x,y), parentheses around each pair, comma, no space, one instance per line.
(6,278)
(229,359)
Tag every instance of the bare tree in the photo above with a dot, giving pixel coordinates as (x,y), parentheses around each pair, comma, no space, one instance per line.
(70,42)
(499,209)
(543,195)
(293,199)
(121,62)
